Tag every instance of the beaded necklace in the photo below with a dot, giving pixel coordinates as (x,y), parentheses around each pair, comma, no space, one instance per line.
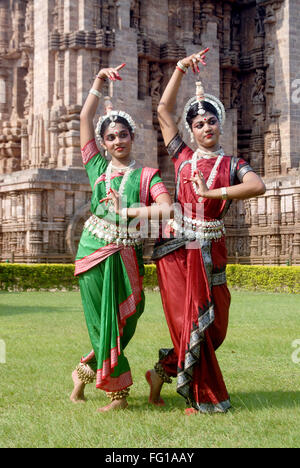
(199,154)
(125,168)
(127,171)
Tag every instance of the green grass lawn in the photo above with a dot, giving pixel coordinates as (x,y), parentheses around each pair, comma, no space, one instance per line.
(45,336)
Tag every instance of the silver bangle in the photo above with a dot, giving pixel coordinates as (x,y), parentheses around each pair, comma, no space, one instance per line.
(123,213)
(182,67)
(224,194)
(95,93)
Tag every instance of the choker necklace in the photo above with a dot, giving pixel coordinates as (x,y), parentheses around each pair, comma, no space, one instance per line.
(209,154)
(124,168)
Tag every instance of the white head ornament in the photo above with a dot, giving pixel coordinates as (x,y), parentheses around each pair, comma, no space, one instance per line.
(200,98)
(113,115)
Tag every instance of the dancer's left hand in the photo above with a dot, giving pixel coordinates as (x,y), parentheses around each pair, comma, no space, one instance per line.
(198,179)
(115,198)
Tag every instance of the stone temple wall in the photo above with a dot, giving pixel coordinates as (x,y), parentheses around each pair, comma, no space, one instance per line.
(50,51)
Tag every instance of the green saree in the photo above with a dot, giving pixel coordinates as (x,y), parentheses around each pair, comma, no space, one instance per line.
(111,271)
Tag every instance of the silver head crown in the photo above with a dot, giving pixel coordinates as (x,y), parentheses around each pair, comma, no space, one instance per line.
(112,115)
(200,98)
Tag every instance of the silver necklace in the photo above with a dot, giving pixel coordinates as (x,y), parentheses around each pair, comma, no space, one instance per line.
(124,168)
(124,180)
(199,154)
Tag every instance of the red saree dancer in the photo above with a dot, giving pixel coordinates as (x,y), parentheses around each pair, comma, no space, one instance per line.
(193,288)
(191,265)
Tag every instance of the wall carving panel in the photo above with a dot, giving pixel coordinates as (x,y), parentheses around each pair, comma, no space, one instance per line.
(50,50)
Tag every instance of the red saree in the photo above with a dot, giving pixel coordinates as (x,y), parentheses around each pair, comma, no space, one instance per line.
(193,288)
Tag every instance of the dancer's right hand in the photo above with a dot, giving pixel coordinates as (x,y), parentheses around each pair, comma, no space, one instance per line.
(193,60)
(114,196)
(199,180)
(111,73)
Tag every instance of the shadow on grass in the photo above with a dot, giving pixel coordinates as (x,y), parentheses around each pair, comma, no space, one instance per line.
(9,311)
(241,401)
(137,403)
(252,402)
(17,303)
(260,400)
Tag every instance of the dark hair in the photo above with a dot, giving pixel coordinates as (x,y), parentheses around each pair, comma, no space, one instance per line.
(194,111)
(119,120)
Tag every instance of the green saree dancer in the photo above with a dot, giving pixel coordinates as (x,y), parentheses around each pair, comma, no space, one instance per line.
(109,260)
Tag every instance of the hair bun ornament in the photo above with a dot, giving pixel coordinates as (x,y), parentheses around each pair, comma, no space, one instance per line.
(108,111)
(200,97)
(112,115)
(108,105)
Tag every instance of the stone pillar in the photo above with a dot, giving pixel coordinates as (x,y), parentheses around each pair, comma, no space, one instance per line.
(71,15)
(72,137)
(4,24)
(254,246)
(227,82)
(54,132)
(59,206)
(143,78)
(85,74)
(262,215)
(296,198)
(275,249)
(275,210)
(37,141)
(187,21)
(58,97)
(294,54)
(254,211)
(85,15)
(20,208)
(24,147)
(70,77)
(226,26)
(42,12)
(296,245)
(13,197)
(34,206)
(35,239)
(7,208)
(3,95)
(281,42)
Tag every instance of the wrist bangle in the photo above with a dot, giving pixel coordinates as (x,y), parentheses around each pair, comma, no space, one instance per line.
(100,78)
(179,69)
(95,93)
(224,194)
(182,67)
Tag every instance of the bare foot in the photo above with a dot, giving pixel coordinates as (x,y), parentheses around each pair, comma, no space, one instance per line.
(77,396)
(155,383)
(114,405)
